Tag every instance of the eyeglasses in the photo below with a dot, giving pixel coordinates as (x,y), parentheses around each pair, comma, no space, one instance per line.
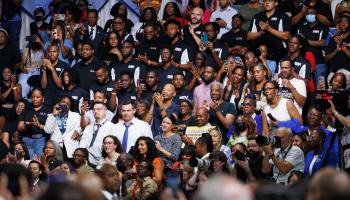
(105,143)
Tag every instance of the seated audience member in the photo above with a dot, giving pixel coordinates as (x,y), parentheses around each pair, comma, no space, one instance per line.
(111,180)
(52,156)
(218,146)
(143,186)
(38,175)
(145,150)
(284,159)
(81,161)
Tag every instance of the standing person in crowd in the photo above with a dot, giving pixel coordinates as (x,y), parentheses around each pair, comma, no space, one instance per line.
(337,53)
(51,71)
(193,31)
(38,175)
(249,110)
(185,116)
(64,126)
(316,34)
(164,105)
(87,112)
(110,54)
(145,150)
(291,86)
(90,31)
(248,11)
(270,25)
(201,93)
(181,91)
(111,150)
(236,38)
(103,82)
(233,91)
(94,133)
(124,88)
(300,140)
(86,67)
(168,143)
(11,92)
(283,160)
(223,16)
(242,127)
(71,88)
(129,128)
(32,122)
(39,27)
(222,113)
(9,54)
(277,106)
(197,4)
(111,180)
(318,157)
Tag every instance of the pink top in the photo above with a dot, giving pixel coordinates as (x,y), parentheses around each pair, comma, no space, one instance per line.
(201,93)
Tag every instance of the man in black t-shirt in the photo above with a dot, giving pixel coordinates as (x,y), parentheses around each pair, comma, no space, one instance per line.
(338,49)
(51,71)
(167,71)
(193,31)
(103,82)
(271,27)
(86,67)
(236,38)
(316,34)
(181,91)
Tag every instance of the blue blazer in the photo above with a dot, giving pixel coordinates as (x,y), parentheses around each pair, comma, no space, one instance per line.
(332,161)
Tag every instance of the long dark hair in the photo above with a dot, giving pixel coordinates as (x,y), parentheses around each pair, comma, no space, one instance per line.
(219,155)
(116,141)
(108,47)
(154,14)
(42,176)
(25,149)
(152,152)
(177,12)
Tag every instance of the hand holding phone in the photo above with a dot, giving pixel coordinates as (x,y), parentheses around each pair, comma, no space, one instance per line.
(271,117)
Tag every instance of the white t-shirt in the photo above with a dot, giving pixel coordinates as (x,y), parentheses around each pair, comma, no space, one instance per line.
(299,85)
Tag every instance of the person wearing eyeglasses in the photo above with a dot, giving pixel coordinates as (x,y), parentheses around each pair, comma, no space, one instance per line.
(278,108)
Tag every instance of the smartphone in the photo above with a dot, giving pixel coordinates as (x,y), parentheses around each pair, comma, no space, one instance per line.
(54,34)
(217,19)
(321,83)
(204,39)
(271,117)
(63,108)
(30,38)
(238,59)
(60,17)
(239,156)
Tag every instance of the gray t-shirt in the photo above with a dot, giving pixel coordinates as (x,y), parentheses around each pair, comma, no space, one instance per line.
(295,156)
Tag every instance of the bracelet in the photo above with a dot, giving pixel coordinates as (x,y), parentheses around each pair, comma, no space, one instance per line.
(336,113)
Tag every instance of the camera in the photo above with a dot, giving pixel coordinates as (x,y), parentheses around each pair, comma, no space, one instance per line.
(30,38)
(239,156)
(200,163)
(63,108)
(55,163)
(266,140)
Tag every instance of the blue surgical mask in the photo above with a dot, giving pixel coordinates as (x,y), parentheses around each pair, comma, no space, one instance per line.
(310,18)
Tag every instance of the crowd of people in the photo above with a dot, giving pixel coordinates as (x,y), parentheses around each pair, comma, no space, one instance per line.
(199,99)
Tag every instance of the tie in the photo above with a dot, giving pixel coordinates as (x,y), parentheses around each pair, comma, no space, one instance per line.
(91,34)
(95,134)
(125,137)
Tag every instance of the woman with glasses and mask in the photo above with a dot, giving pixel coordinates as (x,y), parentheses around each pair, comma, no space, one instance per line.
(278,108)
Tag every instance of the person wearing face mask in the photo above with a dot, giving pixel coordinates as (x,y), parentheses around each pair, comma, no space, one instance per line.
(316,34)
(243,127)
(39,26)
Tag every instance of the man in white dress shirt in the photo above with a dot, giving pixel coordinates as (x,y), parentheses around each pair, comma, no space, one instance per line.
(94,133)
(223,16)
(129,129)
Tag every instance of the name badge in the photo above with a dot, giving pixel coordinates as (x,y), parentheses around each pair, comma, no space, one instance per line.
(297,63)
(239,38)
(178,49)
(92,71)
(75,97)
(183,97)
(170,76)
(153,48)
(315,31)
(109,89)
(217,49)
(274,19)
(58,69)
(133,97)
(131,66)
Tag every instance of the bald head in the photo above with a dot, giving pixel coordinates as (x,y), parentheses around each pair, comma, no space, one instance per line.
(196,16)
(168,91)
(202,116)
